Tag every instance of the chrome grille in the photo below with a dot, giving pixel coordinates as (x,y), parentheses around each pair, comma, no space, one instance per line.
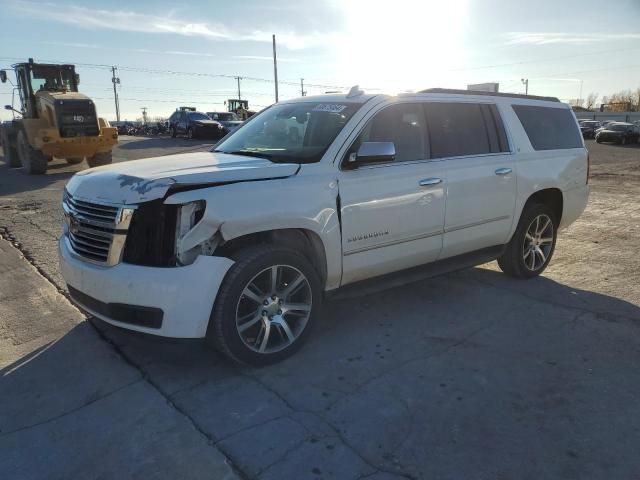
(96,232)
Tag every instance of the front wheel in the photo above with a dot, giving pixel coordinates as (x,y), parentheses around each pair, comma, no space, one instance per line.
(33,161)
(266,305)
(100,159)
(532,245)
(74,160)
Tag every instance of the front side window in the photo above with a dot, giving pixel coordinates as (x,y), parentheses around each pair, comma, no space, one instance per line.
(459,129)
(294,132)
(549,128)
(404,125)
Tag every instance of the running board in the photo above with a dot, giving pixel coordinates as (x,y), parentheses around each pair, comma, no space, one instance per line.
(415,274)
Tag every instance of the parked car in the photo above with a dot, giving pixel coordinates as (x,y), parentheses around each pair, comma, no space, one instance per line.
(195,125)
(229,120)
(618,132)
(589,127)
(239,245)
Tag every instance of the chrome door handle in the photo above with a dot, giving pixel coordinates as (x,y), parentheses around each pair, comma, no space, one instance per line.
(503,171)
(430,181)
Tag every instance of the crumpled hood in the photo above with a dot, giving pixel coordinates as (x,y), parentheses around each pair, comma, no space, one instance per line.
(138,181)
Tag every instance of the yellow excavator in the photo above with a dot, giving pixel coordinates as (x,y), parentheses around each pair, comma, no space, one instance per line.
(56,120)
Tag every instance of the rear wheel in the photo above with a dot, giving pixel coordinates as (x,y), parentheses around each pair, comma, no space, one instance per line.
(100,159)
(33,161)
(266,305)
(532,245)
(74,160)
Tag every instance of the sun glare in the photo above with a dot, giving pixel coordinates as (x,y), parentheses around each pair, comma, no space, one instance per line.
(405,44)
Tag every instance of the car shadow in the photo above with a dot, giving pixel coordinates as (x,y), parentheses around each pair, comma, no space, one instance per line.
(485,369)
(15,180)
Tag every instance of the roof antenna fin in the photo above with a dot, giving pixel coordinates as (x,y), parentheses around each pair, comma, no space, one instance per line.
(355,91)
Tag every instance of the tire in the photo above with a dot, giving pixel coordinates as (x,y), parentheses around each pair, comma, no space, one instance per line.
(172,132)
(623,141)
(515,261)
(74,160)
(252,273)
(10,150)
(597,140)
(190,133)
(100,159)
(33,161)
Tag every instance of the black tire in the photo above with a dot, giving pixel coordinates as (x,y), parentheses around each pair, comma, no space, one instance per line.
(10,150)
(74,160)
(33,161)
(514,261)
(100,159)
(597,140)
(223,333)
(172,131)
(190,133)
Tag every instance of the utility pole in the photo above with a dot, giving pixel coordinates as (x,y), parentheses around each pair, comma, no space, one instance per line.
(580,100)
(144,115)
(115,80)
(275,66)
(238,79)
(302,92)
(525,82)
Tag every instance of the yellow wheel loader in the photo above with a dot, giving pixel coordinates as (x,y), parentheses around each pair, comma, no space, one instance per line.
(57,121)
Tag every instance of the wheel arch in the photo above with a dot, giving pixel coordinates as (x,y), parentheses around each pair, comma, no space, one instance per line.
(301,239)
(551,197)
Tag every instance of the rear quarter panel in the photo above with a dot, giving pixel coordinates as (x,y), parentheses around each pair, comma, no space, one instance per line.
(565,169)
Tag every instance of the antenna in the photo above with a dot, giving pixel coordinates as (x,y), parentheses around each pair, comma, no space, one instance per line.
(355,91)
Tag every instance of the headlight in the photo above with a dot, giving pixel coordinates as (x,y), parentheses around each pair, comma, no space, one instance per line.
(189,214)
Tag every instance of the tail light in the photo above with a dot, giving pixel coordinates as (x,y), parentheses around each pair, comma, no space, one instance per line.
(588,167)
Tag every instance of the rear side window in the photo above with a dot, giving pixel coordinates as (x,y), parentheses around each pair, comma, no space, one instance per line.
(549,128)
(459,129)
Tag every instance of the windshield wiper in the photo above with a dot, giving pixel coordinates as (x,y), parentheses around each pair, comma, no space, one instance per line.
(247,153)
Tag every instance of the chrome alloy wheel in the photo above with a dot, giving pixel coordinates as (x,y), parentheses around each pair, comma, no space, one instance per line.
(274,309)
(538,242)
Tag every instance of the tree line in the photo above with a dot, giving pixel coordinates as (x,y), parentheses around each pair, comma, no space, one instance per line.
(622,101)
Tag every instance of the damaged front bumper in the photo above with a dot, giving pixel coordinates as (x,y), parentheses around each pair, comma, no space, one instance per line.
(169,302)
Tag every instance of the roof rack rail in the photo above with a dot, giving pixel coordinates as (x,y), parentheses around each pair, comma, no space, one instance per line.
(490,94)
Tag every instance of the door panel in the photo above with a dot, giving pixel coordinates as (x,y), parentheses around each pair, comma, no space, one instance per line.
(389,221)
(480,202)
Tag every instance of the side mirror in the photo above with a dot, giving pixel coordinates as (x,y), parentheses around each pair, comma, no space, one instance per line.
(8,107)
(77,79)
(3,76)
(373,152)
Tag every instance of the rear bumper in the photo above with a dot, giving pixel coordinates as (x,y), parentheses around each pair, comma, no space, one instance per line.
(169,302)
(58,146)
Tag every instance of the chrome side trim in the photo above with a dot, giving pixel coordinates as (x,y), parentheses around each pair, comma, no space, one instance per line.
(424,235)
(393,242)
(476,224)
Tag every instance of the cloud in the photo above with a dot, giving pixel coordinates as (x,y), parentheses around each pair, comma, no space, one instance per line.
(549,38)
(132,21)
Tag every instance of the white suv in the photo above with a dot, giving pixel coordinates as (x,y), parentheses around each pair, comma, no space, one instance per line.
(240,244)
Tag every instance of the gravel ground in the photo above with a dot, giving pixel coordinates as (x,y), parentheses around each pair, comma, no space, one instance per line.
(469,375)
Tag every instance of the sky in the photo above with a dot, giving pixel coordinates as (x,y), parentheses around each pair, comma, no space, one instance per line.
(170,54)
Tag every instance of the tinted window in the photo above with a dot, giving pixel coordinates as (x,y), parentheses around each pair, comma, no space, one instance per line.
(198,116)
(457,129)
(402,124)
(549,128)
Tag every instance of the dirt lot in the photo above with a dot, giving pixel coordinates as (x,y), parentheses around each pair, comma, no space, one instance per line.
(470,375)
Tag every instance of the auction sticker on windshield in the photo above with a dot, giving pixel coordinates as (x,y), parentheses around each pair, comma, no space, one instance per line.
(329,107)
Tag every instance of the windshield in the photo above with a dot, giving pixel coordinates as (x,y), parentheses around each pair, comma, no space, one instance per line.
(52,79)
(297,133)
(198,116)
(224,117)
